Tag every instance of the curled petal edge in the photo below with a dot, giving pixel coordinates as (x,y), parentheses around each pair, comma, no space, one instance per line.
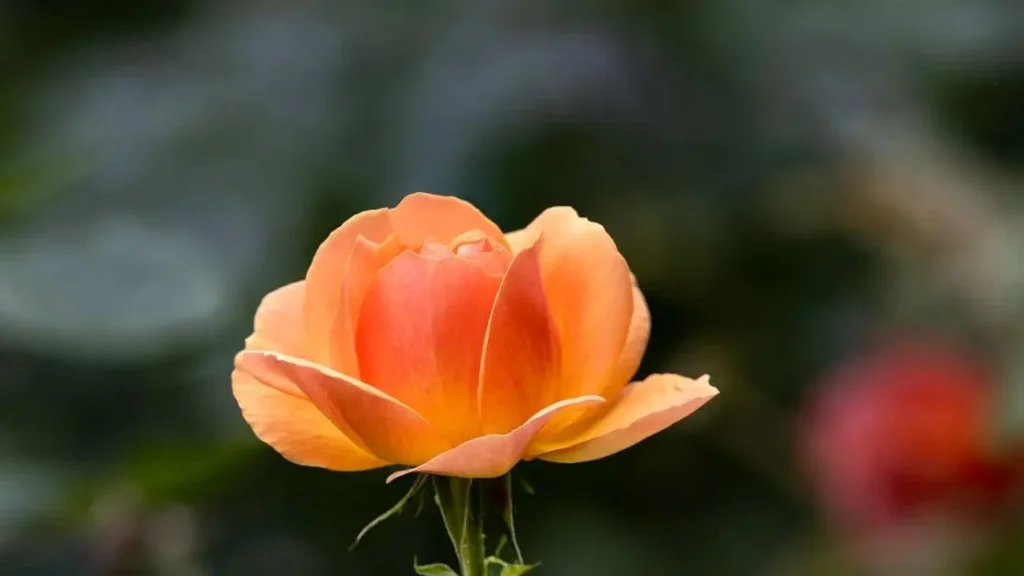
(642,410)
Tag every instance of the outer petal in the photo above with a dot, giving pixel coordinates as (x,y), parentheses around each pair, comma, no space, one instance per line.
(643,409)
(636,341)
(293,426)
(279,326)
(549,219)
(389,429)
(279,323)
(590,295)
(521,365)
(366,260)
(328,268)
(421,216)
(493,455)
(421,334)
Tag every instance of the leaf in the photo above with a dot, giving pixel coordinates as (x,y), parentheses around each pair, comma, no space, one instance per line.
(393,511)
(517,569)
(508,569)
(433,569)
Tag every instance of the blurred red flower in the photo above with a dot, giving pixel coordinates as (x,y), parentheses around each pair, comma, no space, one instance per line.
(904,433)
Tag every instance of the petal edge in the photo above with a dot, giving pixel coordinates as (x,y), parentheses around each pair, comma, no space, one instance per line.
(296,429)
(643,409)
(495,454)
(387,428)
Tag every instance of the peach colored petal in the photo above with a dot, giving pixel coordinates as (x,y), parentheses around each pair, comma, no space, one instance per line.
(279,323)
(366,260)
(636,344)
(279,326)
(493,262)
(521,365)
(328,268)
(388,429)
(590,295)
(642,410)
(420,337)
(549,219)
(293,426)
(493,455)
(469,237)
(421,216)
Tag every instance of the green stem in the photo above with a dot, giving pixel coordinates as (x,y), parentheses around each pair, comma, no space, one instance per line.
(462,511)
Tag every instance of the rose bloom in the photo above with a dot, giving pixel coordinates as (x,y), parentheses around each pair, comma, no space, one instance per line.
(426,337)
(901,434)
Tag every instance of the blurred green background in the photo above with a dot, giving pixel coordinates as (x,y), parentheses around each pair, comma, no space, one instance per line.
(792,182)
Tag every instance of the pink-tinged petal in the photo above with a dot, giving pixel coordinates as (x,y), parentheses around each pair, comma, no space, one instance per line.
(590,295)
(366,260)
(435,251)
(421,217)
(549,219)
(420,337)
(474,247)
(294,427)
(470,237)
(279,325)
(387,428)
(642,410)
(522,353)
(495,454)
(328,268)
(636,343)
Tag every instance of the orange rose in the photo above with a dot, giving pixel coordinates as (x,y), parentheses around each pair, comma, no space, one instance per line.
(424,336)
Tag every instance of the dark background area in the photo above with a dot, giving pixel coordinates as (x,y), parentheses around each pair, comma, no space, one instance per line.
(792,183)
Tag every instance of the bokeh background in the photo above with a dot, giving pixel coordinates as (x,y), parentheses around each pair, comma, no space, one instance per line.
(821,200)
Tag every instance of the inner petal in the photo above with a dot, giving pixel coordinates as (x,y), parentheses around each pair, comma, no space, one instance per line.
(474,246)
(420,337)
(367,258)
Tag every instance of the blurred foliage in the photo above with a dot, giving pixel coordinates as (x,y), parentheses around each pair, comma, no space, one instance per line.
(790,182)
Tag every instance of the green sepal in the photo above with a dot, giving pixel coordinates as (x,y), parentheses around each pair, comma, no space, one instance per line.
(527,487)
(393,511)
(508,515)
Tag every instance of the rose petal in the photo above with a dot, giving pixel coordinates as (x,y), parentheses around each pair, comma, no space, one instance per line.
(474,247)
(293,426)
(493,455)
(279,325)
(549,219)
(279,322)
(643,409)
(590,295)
(421,216)
(388,429)
(636,341)
(366,260)
(521,365)
(420,337)
(328,268)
